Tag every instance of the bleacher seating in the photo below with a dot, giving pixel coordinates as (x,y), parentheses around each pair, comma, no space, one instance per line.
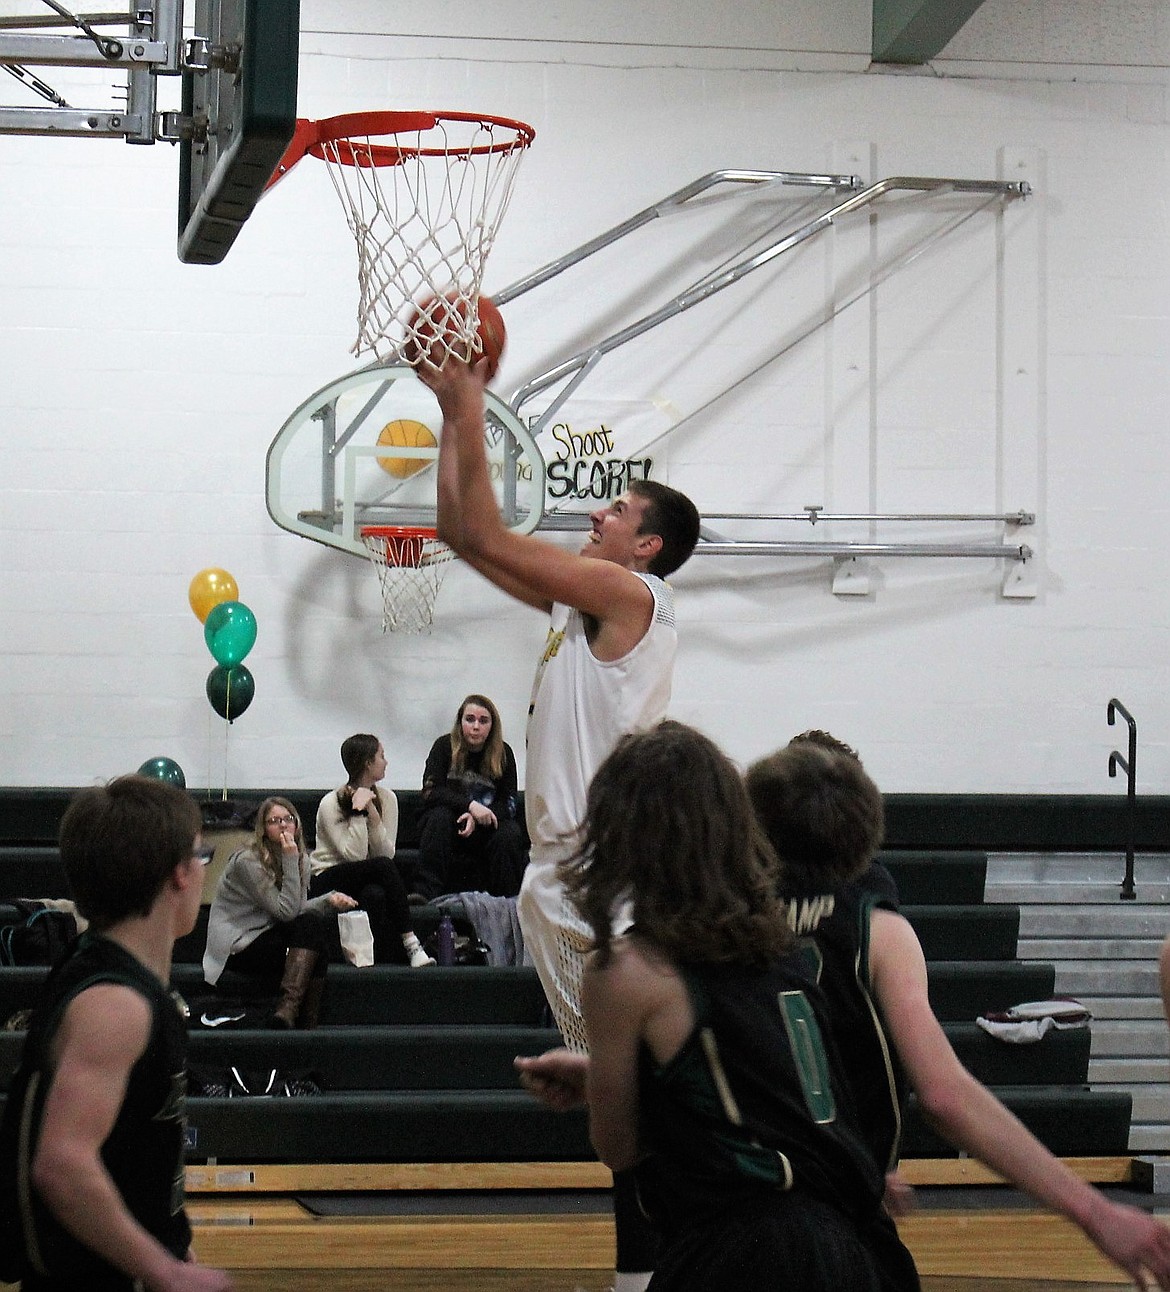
(416,1065)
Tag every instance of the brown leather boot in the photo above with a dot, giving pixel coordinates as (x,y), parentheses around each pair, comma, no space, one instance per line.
(299,964)
(311,1005)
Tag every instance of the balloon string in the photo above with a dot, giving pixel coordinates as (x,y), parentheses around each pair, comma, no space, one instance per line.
(226,725)
(209,740)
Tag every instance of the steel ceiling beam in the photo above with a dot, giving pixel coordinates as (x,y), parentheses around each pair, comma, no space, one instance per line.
(915,31)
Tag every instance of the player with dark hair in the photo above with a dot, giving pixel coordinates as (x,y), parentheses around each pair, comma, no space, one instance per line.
(709,1076)
(606,670)
(823,815)
(92,1140)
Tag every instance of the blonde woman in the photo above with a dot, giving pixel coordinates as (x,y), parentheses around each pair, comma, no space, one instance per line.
(264,923)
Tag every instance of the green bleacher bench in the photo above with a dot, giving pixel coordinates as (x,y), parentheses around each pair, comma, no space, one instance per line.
(928,878)
(1068,1122)
(966,932)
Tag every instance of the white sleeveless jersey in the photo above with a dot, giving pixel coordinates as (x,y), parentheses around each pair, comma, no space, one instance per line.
(581,707)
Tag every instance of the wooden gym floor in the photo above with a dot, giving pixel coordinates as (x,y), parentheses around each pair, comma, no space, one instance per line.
(259,1222)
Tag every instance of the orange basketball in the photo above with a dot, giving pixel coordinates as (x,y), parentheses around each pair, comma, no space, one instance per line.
(443,317)
(493,335)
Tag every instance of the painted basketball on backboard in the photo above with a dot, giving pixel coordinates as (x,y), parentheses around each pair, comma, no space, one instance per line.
(323,480)
(405,434)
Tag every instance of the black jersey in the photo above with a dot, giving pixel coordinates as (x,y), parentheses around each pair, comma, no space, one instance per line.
(756,1163)
(832,929)
(144,1150)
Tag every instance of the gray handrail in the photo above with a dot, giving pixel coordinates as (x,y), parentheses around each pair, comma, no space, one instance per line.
(1129,767)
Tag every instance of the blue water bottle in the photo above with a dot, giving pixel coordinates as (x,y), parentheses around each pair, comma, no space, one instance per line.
(446,954)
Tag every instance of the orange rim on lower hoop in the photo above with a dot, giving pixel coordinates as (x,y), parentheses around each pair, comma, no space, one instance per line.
(402,545)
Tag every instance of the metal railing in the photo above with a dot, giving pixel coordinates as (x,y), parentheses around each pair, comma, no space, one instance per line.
(571,372)
(1128,765)
(713,543)
(574,369)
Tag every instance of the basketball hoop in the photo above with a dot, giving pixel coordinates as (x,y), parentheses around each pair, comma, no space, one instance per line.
(410,561)
(424,209)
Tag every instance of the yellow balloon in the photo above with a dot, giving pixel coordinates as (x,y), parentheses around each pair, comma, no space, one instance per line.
(210,587)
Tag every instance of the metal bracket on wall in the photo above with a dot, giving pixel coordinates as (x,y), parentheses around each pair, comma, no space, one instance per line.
(148,42)
(851,577)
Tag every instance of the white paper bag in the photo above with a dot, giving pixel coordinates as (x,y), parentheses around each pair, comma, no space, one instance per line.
(357,938)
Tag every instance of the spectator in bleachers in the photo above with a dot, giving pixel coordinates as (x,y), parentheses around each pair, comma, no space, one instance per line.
(263,922)
(469,839)
(357,827)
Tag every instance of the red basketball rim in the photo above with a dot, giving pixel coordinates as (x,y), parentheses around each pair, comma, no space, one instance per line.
(350,131)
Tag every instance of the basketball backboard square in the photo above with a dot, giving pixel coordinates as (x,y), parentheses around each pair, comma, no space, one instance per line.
(243,109)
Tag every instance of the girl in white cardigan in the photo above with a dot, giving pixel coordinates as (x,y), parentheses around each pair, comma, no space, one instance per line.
(356,830)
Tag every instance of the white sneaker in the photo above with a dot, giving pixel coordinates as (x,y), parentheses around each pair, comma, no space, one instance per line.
(418,957)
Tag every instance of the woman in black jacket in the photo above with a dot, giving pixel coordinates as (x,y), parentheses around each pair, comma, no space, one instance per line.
(470,840)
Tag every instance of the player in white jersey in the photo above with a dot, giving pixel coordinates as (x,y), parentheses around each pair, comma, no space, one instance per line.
(581,706)
(606,669)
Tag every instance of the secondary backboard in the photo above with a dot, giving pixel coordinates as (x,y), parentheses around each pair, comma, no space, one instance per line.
(336,465)
(240,113)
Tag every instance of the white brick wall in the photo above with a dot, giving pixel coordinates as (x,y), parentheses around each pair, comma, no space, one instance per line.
(1021,363)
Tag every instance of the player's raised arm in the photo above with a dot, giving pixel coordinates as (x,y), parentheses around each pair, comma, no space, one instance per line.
(528,568)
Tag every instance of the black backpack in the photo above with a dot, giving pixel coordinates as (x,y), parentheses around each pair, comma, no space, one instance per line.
(35,934)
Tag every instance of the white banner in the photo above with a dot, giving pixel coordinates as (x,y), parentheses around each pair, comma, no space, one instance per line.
(594,449)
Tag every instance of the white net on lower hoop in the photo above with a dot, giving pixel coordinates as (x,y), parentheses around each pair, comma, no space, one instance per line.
(424,226)
(410,571)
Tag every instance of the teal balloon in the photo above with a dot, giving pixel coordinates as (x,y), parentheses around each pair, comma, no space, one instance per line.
(230,632)
(164,769)
(230,690)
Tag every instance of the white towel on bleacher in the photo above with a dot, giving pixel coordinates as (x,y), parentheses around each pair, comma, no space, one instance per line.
(1035,1019)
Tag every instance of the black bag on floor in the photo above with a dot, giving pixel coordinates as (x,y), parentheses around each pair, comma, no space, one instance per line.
(39,936)
(469,950)
(234,1082)
(230,1013)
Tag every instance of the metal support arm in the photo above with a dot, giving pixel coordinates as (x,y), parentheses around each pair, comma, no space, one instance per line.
(80,51)
(151,45)
(572,370)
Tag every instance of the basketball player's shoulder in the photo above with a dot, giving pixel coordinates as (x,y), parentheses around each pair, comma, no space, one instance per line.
(632,966)
(663,595)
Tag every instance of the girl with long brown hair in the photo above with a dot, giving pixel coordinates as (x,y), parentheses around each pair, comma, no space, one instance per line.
(710,1076)
(357,828)
(469,837)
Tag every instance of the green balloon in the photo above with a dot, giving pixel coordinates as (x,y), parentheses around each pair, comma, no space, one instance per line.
(230,632)
(230,690)
(164,769)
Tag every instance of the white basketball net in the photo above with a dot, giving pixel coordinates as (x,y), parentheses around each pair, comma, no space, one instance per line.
(424,204)
(410,569)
